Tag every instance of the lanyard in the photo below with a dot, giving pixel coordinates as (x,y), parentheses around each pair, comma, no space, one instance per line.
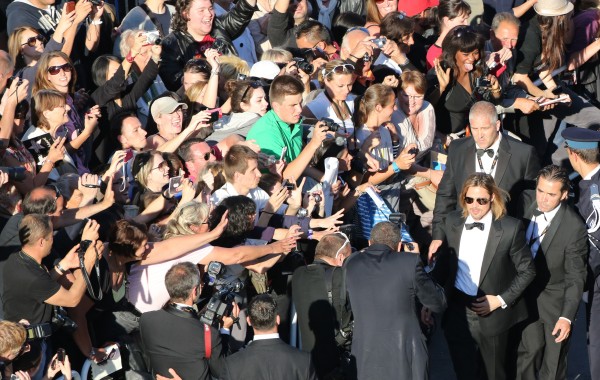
(494,162)
(337,109)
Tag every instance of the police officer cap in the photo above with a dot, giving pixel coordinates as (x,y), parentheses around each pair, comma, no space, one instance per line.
(581,138)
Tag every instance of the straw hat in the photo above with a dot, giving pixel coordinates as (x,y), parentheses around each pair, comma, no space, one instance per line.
(553,7)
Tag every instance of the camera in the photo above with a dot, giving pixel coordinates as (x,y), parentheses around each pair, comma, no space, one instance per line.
(14,174)
(482,82)
(96,2)
(414,151)
(60,320)
(318,198)
(331,125)
(11,79)
(304,65)
(380,42)
(38,331)
(220,46)
(153,38)
(221,303)
(288,185)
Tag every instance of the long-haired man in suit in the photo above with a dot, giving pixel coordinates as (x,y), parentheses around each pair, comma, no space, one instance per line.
(558,239)
(494,267)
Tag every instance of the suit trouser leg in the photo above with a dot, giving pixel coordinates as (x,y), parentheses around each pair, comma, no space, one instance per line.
(554,363)
(530,352)
(594,332)
(462,346)
(492,349)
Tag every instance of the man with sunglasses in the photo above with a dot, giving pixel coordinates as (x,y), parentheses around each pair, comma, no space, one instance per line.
(489,266)
(196,154)
(557,238)
(319,295)
(582,146)
(387,342)
(314,36)
(513,165)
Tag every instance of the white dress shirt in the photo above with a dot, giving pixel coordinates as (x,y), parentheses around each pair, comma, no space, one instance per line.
(470,255)
(537,229)
(486,160)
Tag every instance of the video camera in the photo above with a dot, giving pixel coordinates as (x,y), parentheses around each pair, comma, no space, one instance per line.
(14,174)
(399,218)
(221,303)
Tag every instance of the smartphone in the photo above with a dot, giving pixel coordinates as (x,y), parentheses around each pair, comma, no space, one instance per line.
(60,355)
(288,185)
(283,152)
(128,155)
(214,114)
(174,185)
(70,6)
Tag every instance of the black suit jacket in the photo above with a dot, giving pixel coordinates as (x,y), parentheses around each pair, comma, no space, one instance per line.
(269,359)
(516,170)
(507,268)
(561,268)
(175,339)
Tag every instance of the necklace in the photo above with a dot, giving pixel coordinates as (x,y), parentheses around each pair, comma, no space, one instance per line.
(21,253)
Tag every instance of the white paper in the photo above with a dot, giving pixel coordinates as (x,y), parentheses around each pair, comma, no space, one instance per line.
(329,178)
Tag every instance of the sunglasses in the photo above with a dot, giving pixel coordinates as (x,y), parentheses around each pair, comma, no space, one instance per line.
(481,201)
(462,30)
(253,85)
(54,70)
(361,28)
(339,69)
(162,166)
(197,65)
(31,41)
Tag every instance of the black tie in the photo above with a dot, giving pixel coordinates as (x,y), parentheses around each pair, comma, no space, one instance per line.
(470,226)
(537,212)
(481,152)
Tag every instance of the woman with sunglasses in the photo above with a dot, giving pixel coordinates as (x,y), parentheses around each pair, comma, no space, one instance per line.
(376,11)
(457,80)
(151,171)
(335,102)
(248,104)
(56,72)
(26,45)
(450,13)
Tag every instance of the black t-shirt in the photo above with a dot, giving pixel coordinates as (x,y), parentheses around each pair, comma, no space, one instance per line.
(26,286)
(529,51)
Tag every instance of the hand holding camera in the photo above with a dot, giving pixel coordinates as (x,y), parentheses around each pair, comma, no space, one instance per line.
(60,363)
(83,8)
(277,199)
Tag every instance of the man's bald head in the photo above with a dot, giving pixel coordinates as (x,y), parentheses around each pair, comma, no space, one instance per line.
(350,41)
(42,200)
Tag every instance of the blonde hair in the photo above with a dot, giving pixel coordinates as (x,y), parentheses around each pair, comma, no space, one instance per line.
(328,68)
(15,47)
(194,92)
(231,66)
(277,54)
(377,94)
(127,41)
(12,338)
(189,214)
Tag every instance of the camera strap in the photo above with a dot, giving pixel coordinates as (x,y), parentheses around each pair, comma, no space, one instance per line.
(207,342)
(86,277)
(150,15)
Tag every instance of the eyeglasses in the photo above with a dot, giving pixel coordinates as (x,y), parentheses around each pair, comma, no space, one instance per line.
(412,97)
(162,166)
(460,31)
(339,69)
(253,85)
(31,41)
(53,70)
(346,242)
(481,201)
(361,28)
(206,156)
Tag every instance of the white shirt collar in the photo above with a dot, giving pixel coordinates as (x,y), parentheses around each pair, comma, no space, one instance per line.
(551,214)
(266,336)
(591,174)
(486,220)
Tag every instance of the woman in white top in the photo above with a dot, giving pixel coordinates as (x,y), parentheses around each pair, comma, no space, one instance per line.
(335,101)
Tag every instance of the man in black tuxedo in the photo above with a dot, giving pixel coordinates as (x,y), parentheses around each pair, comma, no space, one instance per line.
(558,239)
(267,356)
(175,339)
(382,286)
(511,163)
(494,267)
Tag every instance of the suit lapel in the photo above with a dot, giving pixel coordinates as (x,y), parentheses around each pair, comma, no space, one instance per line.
(490,248)
(455,235)
(469,167)
(552,229)
(503,160)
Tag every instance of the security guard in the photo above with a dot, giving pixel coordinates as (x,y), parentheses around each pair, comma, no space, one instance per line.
(582,147)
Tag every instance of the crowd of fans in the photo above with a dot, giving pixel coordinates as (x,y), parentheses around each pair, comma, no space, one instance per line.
(263,141)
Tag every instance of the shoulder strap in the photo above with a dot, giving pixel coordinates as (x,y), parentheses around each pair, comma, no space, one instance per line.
(329,283)
(207,342)
(157,24)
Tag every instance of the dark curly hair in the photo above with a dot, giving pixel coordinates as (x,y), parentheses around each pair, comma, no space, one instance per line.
(240,219)
(179,21)
(462,39)
(126,237)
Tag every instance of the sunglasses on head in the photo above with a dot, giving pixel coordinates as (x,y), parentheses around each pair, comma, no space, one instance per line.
(31,41)
(361,28)
(54,70)
(253,85)
(197,65)
(481,201)
(339,69)
(462,30)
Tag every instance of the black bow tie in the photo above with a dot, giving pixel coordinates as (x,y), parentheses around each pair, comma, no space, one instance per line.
(470,226)
(481,152)
(537,212)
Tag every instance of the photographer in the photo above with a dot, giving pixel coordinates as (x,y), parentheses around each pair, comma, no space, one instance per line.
(188,346)
(12,344)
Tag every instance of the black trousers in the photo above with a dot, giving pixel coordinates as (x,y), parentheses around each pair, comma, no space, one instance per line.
(474,355)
